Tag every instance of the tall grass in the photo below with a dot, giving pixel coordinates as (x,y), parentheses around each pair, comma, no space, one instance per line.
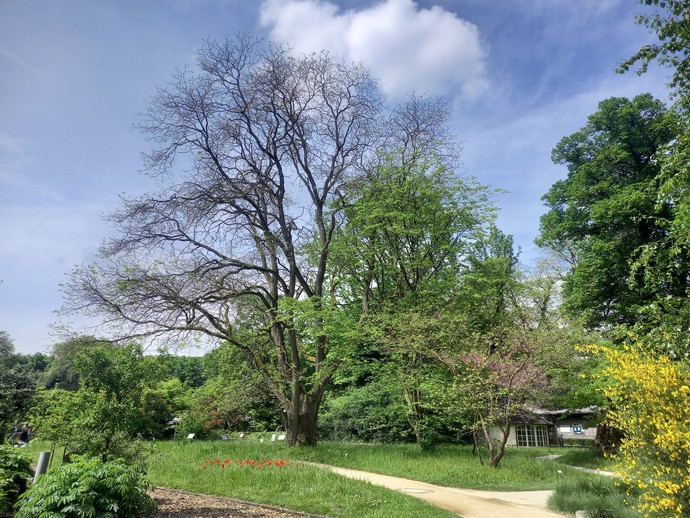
(303,487)
(293,485)
(587,458)
(448,465)
(602,497)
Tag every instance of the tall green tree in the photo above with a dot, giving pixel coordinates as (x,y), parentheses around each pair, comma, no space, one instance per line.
(6,345)
(61,372)
(606,210)
(17,384)
(669,20)
(409,229)
(665,320)
(104,416)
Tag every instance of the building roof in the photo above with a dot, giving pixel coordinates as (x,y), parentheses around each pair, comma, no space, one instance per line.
(528,417)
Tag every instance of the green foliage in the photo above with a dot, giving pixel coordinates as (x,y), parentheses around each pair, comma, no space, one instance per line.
(17,383)
(606,211)
(233,398)
(120,373)
(399,256)
(62,373)
(190,370)
(15,473)
(665,319)
(669,21)
(407,228)
(6,345)
(296,485)
(375,412)
(601,497)
(86,423)
(155,413)
(18,390)
(104,417)
(88,488)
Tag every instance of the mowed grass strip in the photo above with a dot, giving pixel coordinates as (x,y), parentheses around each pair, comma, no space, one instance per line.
(293,485)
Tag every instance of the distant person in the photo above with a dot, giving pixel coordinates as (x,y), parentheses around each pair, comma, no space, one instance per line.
(24,434)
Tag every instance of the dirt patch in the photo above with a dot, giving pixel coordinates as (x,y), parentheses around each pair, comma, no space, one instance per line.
(173,503)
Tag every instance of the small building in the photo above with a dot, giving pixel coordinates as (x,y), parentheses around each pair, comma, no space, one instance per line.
(573,424)
(529,429)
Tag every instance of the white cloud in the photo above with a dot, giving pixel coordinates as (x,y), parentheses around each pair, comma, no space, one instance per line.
(406,47)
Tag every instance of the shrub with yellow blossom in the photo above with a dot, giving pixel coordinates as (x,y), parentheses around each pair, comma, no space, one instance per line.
(650,401)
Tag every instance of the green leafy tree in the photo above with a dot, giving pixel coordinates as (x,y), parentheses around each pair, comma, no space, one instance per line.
(408,226)
(6,345)
(669,20)
(372,412)
(61,372)
(606,211)
(663,323)
(104,416)
(407,230)
(17,389)
(502,343)
(17,385)
(234,397)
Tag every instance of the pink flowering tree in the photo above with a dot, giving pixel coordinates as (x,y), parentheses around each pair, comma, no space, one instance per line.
(492,383)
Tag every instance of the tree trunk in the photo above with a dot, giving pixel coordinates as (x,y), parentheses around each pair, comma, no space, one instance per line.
(301,423)
(608,439)
(500,451)
(414,413)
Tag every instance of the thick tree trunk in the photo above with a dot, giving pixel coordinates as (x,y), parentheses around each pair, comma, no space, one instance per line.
(301,423)
(608,439)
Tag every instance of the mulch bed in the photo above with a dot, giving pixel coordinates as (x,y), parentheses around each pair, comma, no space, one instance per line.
(173,503)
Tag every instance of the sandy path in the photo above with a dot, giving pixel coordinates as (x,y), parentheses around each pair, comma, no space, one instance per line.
(466,502)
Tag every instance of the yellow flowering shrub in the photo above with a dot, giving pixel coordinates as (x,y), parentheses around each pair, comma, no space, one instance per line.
(650,399)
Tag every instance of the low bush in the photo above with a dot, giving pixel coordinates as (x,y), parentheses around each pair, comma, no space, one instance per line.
(601,497)
(88,488)
(373,413)
(15,473)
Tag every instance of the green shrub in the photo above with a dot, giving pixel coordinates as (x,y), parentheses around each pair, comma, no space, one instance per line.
(602,497)
(88,488)
(15,473)
(375,412)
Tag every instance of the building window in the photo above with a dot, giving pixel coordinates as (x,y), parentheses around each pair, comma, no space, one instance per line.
(532,435)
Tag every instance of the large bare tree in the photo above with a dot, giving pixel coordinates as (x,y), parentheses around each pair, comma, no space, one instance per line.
(251,148)
(254,150)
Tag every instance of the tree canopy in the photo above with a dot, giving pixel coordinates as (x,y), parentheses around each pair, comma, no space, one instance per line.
(602,215)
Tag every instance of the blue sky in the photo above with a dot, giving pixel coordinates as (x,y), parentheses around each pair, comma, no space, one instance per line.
(74,74)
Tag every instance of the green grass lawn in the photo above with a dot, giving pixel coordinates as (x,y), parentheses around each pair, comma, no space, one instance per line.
(300,486)
(448,465)
(294,485)
(586,458)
